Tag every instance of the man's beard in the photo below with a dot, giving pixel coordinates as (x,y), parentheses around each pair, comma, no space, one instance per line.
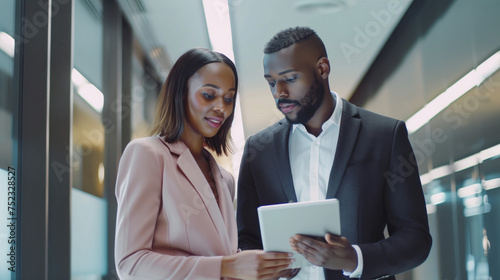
(308,104)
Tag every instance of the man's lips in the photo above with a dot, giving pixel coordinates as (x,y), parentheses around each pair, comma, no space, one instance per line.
(286,107)
(214,121)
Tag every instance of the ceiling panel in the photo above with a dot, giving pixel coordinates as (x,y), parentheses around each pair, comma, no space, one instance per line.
(353,35)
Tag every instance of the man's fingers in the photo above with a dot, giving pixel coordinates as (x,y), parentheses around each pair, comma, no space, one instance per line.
(307,240)
(336,240)
(303,245)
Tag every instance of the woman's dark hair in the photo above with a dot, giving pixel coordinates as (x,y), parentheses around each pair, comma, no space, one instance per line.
(170,107)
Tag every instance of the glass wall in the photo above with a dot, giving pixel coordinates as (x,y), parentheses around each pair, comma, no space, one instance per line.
(462,185)
(88,207)
(85,217)
(441,47)
(88,131)
(8,202)
(145,89)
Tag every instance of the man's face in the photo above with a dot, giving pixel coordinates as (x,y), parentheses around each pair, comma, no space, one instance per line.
(294,83)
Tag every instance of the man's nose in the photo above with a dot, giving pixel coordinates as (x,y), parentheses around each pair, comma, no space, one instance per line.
(281,89)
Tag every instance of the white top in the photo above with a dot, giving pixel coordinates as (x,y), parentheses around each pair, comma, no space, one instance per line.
(311,162)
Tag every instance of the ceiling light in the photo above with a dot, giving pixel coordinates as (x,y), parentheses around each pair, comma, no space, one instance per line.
(320,6)
(491,184)
(465,163)
(473,202)
(100,173)
(218,23)
(460,165)
(78,79)
(469,190)
(491,152)
(431,208)
(7,44)
(93,96)
(438,198)
(90,93)
(440,172)
(455,91)
(218,20)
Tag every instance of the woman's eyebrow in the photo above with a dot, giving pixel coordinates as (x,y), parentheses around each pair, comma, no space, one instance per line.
(217,87)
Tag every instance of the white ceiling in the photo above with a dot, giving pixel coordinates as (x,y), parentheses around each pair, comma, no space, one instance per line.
(352,35)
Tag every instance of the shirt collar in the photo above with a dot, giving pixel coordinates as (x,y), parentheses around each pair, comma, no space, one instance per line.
(334,118)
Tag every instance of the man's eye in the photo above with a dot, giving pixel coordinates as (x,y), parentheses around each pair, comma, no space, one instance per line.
(207,96)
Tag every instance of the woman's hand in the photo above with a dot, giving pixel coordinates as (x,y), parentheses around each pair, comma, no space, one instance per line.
(287,273)
(255,264)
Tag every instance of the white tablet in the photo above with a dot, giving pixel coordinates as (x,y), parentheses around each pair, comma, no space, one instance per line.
(279,222)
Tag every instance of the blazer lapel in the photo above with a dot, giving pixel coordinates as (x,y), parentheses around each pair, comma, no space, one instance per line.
(226,208)
(349,128)
(282,160)
(189,167)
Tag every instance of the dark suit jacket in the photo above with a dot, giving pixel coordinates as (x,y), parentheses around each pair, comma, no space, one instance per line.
(374,176)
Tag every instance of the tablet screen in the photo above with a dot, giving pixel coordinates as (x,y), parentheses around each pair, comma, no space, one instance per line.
(279,222)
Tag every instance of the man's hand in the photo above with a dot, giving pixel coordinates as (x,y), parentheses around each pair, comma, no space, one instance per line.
(336,253)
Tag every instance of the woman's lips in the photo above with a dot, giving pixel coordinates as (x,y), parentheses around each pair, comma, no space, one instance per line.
(287,107)
(214,121)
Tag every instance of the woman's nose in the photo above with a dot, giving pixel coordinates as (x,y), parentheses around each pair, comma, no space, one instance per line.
(219,105)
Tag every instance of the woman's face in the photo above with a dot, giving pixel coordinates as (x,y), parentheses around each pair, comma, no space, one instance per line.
(210,99)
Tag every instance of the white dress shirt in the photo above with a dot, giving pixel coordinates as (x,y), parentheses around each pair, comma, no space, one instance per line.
(311,161)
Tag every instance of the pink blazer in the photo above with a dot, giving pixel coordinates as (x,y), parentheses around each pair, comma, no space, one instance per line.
(168,223)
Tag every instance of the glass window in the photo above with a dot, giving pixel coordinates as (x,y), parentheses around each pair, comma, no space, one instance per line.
(145,89)
(8,202)
(464,204)
(88,131)
(490,234)
(88,207)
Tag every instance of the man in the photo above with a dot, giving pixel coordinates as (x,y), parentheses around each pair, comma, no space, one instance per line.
(326,148)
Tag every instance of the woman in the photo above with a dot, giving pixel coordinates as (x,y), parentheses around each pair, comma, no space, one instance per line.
(175,216)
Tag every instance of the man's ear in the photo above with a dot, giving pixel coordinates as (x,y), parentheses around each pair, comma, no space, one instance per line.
(323,66)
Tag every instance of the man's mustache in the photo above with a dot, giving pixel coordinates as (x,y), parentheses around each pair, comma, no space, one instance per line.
(288,101)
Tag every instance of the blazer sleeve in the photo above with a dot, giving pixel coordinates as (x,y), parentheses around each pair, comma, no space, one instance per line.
(139,192)
(409,240)
(247,203)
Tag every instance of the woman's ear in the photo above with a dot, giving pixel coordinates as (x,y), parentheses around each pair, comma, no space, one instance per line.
(323,65)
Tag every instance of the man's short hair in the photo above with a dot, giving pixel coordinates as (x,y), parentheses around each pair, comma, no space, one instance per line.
(288,37)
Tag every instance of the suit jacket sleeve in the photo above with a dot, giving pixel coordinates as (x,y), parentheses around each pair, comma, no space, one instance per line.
(247,203)
(139,195)
(409,242)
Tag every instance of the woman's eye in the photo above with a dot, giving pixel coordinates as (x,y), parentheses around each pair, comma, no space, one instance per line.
(207,96)
(272,84)
(228,100)
(291,80)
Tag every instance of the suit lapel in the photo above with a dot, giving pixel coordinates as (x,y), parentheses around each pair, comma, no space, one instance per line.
(349,128)
(226,207)
(189,167)
(282,160)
